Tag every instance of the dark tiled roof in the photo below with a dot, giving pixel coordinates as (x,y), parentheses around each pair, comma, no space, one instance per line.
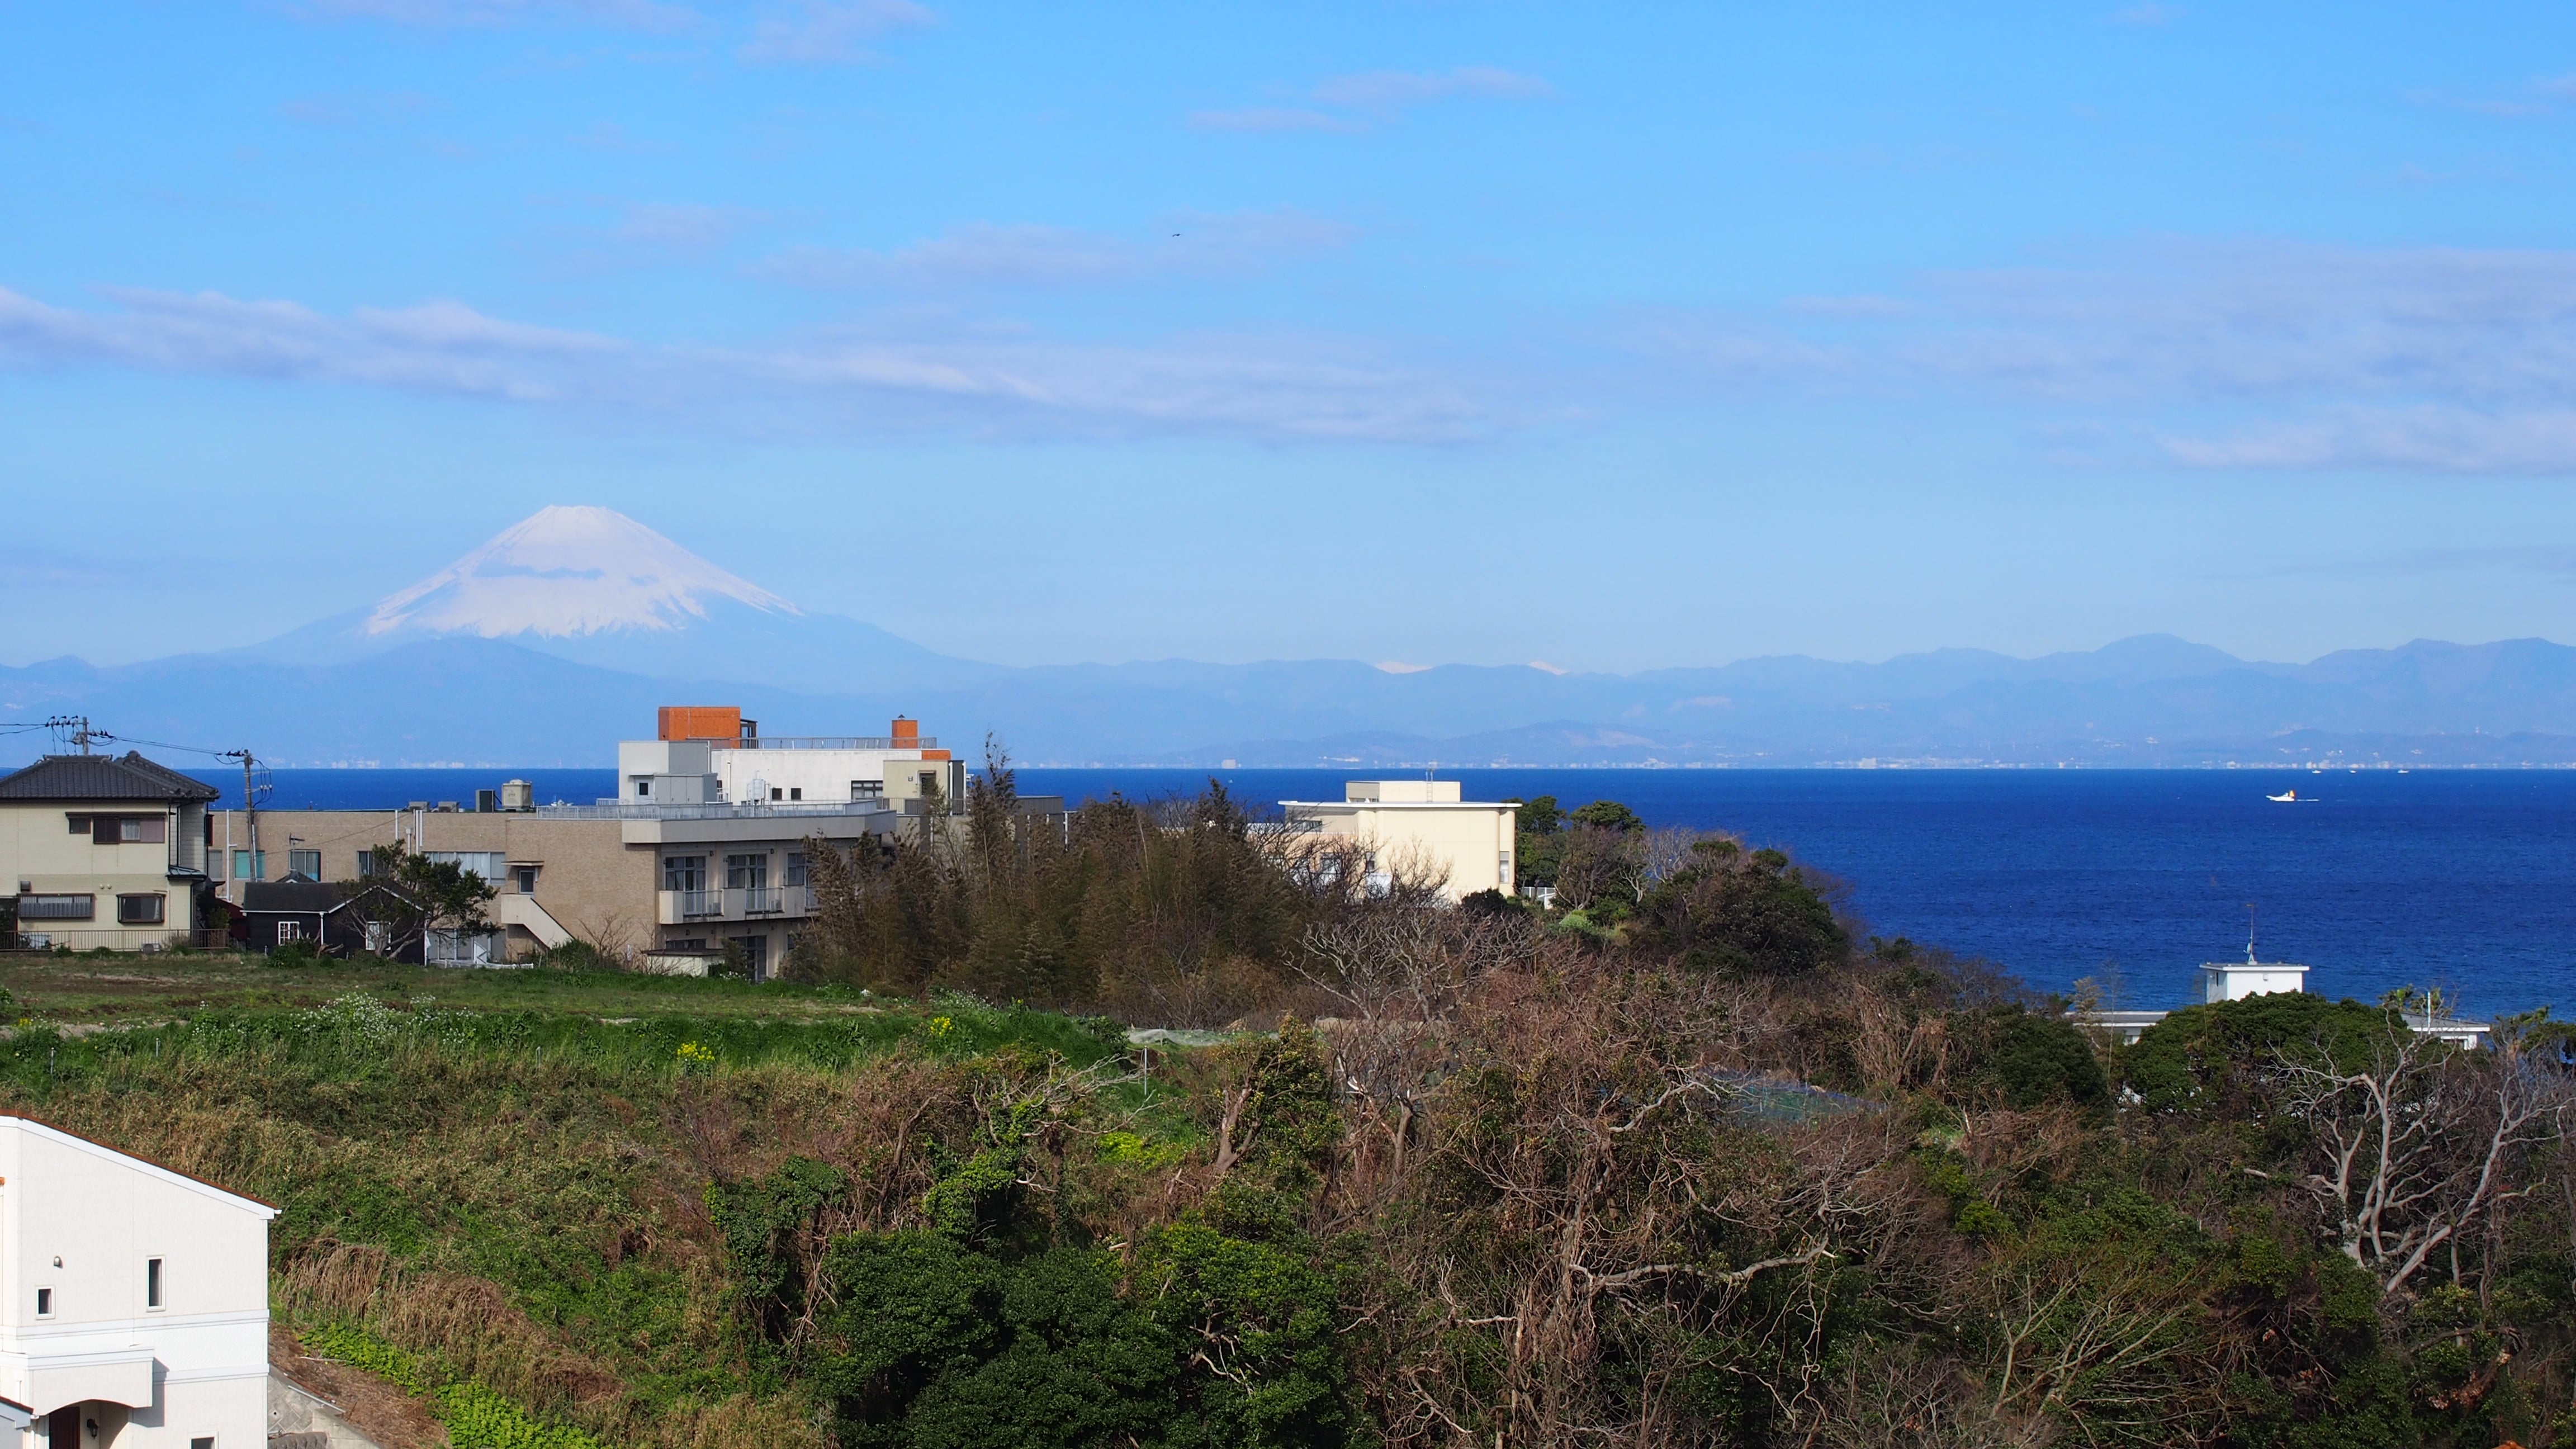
(298,896)
(301,897)
(84,778)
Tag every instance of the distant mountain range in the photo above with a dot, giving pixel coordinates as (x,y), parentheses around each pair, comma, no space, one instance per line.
(561,635)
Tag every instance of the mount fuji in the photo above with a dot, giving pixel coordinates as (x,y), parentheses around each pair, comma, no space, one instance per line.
(594,586)
(557,637)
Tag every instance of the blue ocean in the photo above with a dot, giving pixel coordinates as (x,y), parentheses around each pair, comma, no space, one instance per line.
(2375,880)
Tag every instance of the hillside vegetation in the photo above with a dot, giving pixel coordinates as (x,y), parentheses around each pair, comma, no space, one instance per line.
(1692,1166)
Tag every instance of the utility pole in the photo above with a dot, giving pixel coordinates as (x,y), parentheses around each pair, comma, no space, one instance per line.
(250,807)
(73,726)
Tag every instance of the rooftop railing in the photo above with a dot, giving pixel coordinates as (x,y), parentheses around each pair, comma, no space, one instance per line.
(832,742)
(717,810)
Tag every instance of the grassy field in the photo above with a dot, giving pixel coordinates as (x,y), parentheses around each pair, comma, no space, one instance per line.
(502,1178)
(98,988)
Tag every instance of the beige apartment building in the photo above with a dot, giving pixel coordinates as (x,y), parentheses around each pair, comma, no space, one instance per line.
(699,850)
(104,850)
(1418,826)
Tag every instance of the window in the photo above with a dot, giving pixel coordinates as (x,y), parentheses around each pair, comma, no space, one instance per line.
(491,865)
(796,872)
(380,937)
(747,872)
(366,865)
(128,829)
(777,794)
(202,1441)
(140,910)
(643,788)
(44,1303)
(56,908)
(290,930)
(795,792)
(867,789)
(755,954)
(80,824)
(684,872)
(151,1282)
(306,863)
(250,865)
(930,782)
(525,879)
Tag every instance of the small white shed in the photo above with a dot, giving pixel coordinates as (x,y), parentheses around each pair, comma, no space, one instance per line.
(133,1300)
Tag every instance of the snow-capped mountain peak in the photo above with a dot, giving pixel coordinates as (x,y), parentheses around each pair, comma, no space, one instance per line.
(566,572)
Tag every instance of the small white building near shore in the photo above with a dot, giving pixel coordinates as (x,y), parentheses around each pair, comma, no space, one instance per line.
(135,1308)
(1420,825)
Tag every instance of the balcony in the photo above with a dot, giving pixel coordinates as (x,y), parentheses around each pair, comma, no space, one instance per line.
(677,908)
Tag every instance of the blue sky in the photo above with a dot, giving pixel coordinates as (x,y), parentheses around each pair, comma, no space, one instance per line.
(1614,336)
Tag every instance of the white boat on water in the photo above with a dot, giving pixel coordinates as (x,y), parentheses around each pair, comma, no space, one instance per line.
(2286,797)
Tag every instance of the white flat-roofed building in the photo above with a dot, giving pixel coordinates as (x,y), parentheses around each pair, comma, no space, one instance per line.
(135,1313)
(707,753)
(2236,980)
(1423,825)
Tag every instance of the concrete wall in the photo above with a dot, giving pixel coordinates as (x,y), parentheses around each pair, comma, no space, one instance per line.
(83,1221)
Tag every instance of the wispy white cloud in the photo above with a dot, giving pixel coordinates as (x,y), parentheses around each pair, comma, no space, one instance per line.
(1353,102)
(2237,356)
(830,31)
(2553,560)
(1272,118)
(1280,388)
(1387,90)
(622,235)
(795,32)
(350,108)
(655,15)
(1188,243)
(2432,439)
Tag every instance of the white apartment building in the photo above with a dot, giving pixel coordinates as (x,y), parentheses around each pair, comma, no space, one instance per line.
(711,753)
(136,1307)
(1420,825)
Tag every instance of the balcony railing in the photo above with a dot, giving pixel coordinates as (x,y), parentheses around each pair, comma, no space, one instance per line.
(675,908)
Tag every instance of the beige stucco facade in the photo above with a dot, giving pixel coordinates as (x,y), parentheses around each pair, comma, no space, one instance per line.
(624,879)
(1421,825)
(95,860)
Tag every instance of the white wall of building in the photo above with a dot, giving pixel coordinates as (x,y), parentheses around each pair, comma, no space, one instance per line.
(1423,823)
(80,1227)
(2234,981)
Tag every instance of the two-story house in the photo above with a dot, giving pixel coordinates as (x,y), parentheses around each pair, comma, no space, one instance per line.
(104,850)
(133,1299)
